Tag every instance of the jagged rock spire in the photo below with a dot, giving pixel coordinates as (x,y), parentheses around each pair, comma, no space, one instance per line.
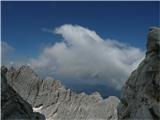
(153,42)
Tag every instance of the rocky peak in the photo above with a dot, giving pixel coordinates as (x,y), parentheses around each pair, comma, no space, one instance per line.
(96,95)
(153,42)
(140,97)
(13,106)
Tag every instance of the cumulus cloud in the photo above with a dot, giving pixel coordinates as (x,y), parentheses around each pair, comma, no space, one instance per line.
(6,49)
(85,56)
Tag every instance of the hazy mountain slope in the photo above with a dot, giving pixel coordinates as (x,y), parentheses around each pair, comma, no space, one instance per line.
(141,93)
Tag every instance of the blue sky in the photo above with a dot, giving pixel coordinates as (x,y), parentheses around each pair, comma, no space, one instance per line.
(83,33)
(22,22)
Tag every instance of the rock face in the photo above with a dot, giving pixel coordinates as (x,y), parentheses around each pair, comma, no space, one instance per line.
(13,107)
(50,98)
(141,93)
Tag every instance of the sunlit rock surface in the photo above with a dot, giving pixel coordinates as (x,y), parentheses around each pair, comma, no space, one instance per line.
(52,99)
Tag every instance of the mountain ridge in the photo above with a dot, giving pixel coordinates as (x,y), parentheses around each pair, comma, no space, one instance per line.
(53,100)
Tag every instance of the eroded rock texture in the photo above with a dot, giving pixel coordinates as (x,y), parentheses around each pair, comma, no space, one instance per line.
(13,107)
(50,98)
(141,93)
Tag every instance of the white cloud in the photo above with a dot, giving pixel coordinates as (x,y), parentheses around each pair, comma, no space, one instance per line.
(6,49)
(85,56)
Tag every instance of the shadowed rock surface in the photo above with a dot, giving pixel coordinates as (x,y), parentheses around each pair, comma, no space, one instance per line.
(141,93)
(13,107)
(52,99)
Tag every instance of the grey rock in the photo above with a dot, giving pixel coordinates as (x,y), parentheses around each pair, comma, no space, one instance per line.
(153,42)
(52,99)
(13,106)
(141,93)
(27,85)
